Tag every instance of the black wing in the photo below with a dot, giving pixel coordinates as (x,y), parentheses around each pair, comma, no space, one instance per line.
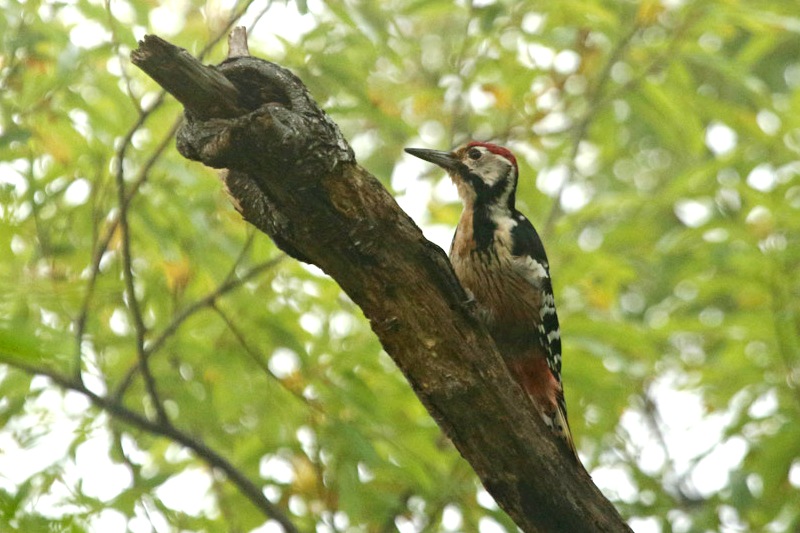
(530,260)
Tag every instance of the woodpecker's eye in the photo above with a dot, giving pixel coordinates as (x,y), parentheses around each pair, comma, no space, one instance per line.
(474,153)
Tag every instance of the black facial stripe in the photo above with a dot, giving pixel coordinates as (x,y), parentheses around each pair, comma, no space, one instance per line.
(486,194)
(483,228)
(473,179)
(481,189)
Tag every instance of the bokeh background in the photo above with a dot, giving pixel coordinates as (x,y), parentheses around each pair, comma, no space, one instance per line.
(659,149)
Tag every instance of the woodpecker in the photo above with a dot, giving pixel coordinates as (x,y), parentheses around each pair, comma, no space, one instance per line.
(499,258)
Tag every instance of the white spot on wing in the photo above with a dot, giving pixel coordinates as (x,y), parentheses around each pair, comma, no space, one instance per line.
(548,305)
(534,272)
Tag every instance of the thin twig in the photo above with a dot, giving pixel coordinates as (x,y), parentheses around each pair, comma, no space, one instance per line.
(257,18)
(258,359)
(597,99)
(102,248)
(142,176)
(139,328)
(459,62)
(206,301)
(654,420)
(225,30)
(117,410)
(251,237)
(115,44)
(594,104)
(784,322)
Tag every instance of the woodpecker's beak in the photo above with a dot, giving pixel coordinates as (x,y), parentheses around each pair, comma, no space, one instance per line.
(446,160)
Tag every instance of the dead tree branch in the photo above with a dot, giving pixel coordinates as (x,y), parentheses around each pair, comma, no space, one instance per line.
(292,175)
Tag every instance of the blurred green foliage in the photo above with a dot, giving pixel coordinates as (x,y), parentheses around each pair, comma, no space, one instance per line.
(659,145)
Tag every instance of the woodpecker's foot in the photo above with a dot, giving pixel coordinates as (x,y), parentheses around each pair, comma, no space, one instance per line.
(470,301)
(480,312)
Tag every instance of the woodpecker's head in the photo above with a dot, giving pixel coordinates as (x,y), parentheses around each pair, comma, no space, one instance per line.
(485,173)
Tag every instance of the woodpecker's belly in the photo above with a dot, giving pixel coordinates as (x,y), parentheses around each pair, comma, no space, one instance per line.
(510,304)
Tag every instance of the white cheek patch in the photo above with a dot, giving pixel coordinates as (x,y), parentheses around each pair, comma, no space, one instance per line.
(493,169)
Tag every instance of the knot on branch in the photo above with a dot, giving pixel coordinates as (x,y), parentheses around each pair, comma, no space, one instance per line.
(283,129)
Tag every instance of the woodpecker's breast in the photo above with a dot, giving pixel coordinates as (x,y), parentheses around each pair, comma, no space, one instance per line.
(482,258)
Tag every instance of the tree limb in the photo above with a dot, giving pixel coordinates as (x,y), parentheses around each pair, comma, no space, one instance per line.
(201,86)
(293,176)
(119,412)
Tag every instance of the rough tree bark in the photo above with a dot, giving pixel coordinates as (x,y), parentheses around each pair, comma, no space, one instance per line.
(292,175)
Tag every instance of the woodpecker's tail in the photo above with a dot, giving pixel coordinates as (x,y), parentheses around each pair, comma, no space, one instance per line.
(561,425)
(536,378)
